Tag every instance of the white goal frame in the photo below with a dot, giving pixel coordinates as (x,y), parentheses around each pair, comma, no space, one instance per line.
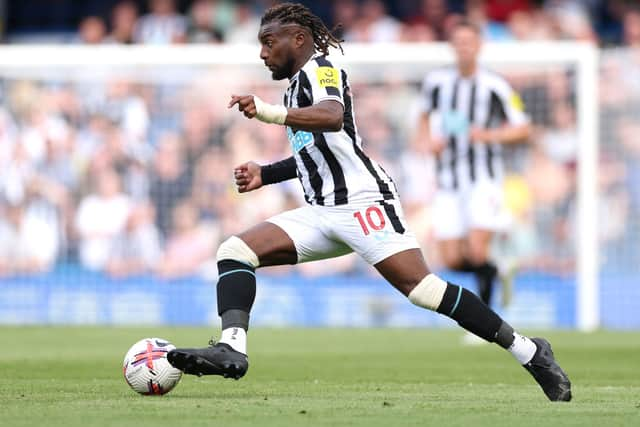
(582,56)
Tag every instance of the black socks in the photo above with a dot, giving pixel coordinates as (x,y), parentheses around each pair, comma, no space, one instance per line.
(236,293)
(475,316)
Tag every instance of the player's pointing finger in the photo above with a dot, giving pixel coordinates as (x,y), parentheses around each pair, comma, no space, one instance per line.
(234,100)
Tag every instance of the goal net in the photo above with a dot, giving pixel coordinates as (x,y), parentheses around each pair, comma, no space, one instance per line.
(116,167)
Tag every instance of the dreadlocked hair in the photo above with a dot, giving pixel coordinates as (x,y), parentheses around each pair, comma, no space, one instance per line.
(294,13)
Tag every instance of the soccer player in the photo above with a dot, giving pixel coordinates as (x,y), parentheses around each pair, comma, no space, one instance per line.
(353,206)
(468,112)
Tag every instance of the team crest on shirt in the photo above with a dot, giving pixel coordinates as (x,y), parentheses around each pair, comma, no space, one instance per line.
(327,76)
(299,139)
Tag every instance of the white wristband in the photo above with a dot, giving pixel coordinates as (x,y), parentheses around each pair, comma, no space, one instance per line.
(269,113)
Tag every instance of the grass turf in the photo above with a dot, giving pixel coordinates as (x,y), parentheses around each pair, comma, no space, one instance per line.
(325,377)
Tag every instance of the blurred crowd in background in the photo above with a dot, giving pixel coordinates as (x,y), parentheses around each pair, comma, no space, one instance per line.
(129,177)
(605,22)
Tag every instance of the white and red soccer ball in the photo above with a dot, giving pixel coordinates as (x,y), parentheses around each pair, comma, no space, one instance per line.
(146,368)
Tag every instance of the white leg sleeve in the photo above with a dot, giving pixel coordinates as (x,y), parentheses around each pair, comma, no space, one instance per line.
(429,292)
(234,248)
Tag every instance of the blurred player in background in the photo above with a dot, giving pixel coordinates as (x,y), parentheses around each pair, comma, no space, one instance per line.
(467,113)
(353,207)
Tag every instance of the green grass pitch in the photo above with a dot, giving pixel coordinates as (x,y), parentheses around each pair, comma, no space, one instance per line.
(68,376)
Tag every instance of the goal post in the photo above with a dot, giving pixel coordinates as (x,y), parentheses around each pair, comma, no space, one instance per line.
(588,131)
(584,57)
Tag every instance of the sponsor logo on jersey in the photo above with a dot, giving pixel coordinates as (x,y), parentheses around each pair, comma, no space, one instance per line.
(455,123)
(327,76)
(299,140)
(516,102)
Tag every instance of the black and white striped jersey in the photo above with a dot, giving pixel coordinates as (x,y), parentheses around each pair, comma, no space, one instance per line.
(456,104)
(332,166)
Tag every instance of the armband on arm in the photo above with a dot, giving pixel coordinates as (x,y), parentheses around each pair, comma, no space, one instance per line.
(279,171)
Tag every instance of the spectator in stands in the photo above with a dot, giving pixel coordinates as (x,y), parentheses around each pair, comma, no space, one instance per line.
(162,25)
(242,141)
(55,182)
(232,21)
(374,25)
(476,11)
(627,129)
(530,25)
(225,15)
(560,141)
(123,22)
(416,174)
(128,109)
(135,178)
(501,10)
(101,218)
(137,249)
(517,246)
(200,130)
(246,24)
(417,33)
(631,27)
(128,159)
(345,13)
(435,15)
(111,153)
(8,134)
(92,30)
(40,123)
(552,188)
(212,193)
(90,137)
(189,244)
(170,180)
(200,28)
(16,174)
(571,19)
(618,237)
(29,242)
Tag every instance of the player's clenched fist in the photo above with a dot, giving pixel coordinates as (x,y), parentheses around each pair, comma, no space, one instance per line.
(248,177)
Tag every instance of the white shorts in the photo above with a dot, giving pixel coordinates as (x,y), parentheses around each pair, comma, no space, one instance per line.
(374,231)
(477,207)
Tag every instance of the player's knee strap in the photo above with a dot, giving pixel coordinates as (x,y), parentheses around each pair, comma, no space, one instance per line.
(235,249)
(429,292)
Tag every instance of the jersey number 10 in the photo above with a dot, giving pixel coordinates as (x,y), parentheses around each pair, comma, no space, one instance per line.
(370,214)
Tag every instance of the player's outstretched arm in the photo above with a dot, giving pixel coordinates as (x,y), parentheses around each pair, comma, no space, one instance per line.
(325,116)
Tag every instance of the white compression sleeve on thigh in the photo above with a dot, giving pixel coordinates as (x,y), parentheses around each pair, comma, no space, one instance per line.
(429,292)
(234,248)
(269,113)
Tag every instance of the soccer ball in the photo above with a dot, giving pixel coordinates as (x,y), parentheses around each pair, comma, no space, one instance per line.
(146,368)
